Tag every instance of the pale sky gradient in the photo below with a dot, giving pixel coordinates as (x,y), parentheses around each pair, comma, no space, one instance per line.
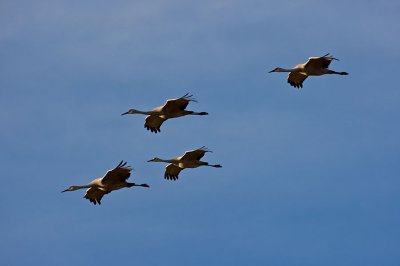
(310,177)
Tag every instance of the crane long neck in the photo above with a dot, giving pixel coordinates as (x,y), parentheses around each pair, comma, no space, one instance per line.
(145,112)
(84,186)
(169,161)
(296,69)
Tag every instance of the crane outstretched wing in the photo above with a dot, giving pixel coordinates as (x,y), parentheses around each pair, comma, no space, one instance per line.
(172,171)
(95,195)
(195,155)
(319,62)
(119,174)
(178,104)
(153,123)
(296,79)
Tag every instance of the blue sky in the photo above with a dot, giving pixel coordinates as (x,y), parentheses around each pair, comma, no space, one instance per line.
(309,177)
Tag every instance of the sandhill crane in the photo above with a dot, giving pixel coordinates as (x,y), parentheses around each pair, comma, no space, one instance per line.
(191,159)
(315,66)
(114,179)
(171,109)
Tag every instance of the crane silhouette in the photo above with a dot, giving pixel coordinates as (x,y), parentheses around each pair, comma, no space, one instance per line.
(315,66)
(114,179)
(173,108)
(191,159)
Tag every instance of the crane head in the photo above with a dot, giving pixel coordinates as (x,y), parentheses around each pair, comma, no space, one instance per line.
(71,188)
(131,112)
(278,69)
(155,159)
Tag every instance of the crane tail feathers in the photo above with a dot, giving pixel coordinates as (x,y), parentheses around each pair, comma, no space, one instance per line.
(204,148)
(189,97)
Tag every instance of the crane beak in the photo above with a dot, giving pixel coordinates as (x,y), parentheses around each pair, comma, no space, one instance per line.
(273,70)
(64,191)
(125,113)
(150,160)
